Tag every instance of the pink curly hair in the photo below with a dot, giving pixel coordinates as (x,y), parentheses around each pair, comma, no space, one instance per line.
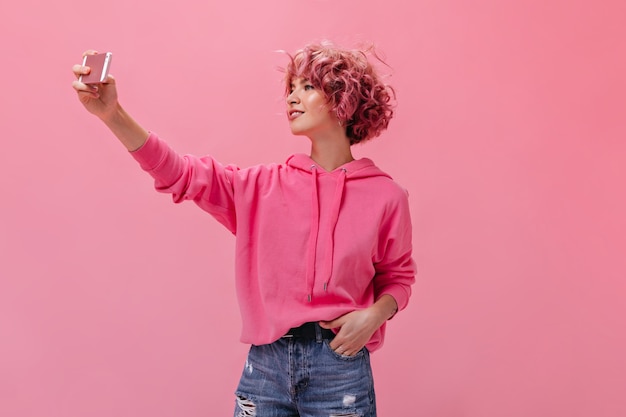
(362,102)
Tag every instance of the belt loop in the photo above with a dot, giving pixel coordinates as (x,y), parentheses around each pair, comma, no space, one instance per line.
(318,333)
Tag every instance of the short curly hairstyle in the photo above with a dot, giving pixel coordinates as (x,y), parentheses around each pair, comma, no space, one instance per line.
(354,90)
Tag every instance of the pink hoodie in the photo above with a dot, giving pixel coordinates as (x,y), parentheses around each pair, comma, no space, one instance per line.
(310,244)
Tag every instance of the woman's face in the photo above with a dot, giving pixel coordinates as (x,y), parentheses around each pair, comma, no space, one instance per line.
(308,111)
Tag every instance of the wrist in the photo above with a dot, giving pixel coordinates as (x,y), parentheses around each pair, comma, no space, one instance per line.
(385,308)
(125,128)
(114,117)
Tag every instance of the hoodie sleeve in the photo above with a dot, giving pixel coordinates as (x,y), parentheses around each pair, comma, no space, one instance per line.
(395,267)
(188,177)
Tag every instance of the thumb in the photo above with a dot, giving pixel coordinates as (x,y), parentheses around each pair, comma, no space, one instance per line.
(109,80)
(331,324)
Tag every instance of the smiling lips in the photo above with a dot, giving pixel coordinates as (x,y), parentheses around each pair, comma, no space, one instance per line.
(294,114)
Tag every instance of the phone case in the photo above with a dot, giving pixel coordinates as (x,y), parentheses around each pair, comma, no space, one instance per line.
(99,64)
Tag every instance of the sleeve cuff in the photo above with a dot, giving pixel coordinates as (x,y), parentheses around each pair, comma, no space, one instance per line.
(400,294)
(150,154)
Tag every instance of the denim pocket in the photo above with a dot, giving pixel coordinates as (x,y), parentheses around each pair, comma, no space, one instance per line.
(356,356)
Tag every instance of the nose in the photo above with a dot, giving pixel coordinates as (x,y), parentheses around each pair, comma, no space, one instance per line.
(292,98)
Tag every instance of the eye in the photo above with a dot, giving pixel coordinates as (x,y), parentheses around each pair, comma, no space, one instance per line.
(308,87)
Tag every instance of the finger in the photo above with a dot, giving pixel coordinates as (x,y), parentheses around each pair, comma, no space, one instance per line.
(82,69)
(348,351)
(85,90)
(90,52)
(325,324)
(332,324)
(344,351)
(338,343)
(79,70)
(78,86)
(109,80)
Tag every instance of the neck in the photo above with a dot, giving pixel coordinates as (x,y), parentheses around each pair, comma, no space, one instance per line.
(331,154)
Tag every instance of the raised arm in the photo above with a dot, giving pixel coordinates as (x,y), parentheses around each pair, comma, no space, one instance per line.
(101,100)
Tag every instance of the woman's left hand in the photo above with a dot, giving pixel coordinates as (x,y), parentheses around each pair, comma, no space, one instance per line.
(357,327)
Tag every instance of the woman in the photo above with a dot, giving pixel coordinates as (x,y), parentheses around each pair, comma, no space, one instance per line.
(323,241)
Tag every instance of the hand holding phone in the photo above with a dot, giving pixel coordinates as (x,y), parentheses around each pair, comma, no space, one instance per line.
(99,65)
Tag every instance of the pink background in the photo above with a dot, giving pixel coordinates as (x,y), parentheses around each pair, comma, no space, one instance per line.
(510,136)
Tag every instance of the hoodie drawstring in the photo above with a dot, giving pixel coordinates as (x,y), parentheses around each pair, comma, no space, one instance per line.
(315,224)
(334,217)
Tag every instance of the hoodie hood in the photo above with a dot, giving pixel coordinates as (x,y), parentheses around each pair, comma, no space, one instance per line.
(351,171)
(359,168)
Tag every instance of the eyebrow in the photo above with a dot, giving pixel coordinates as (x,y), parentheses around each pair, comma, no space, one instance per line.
(302,81)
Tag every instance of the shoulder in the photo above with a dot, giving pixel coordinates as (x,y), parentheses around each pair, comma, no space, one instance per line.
(266,173)
(379,180)
(295,162)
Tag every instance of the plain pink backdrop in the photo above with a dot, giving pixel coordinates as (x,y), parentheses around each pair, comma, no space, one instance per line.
(509,135)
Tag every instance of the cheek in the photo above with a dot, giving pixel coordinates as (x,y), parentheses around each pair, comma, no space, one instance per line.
(317,98)
(320,106)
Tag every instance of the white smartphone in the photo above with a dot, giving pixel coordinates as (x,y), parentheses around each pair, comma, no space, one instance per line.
(99,64)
